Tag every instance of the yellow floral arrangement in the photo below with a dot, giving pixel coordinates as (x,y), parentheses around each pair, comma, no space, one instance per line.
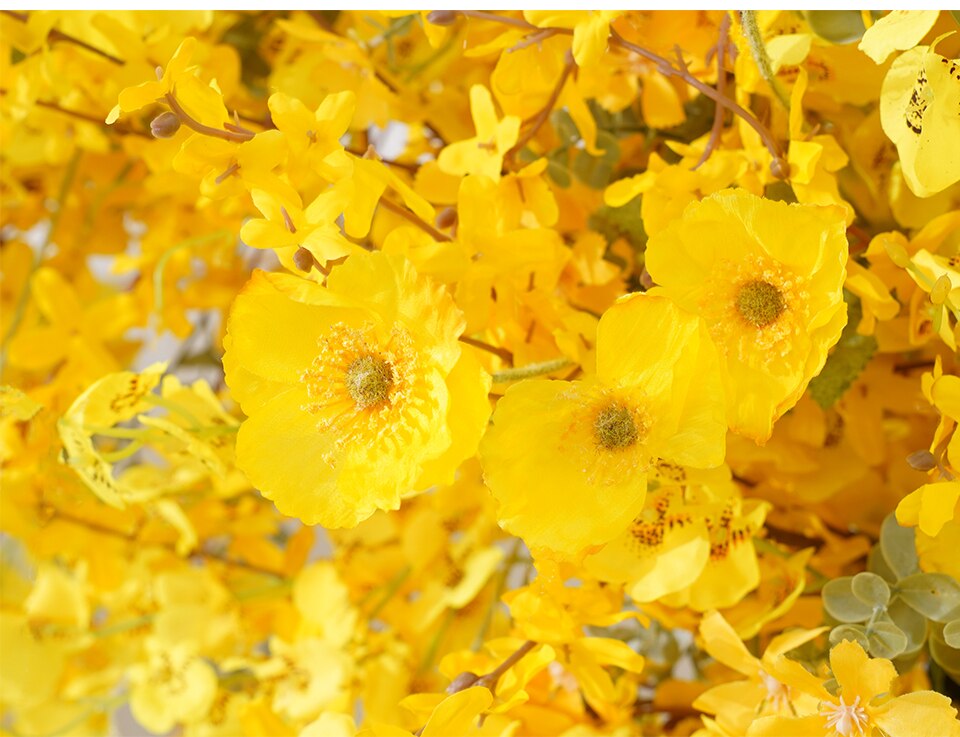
(460,372)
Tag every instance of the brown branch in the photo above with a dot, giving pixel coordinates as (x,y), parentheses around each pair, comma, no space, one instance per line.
(502,353)
(86,117)
(505,19)
(415,219)
(719,110)
(667,69)
(50,514)
(56,35)
(542,116)
(196,125)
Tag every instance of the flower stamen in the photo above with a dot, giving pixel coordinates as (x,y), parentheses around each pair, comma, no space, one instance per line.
(843,718)
(760,303)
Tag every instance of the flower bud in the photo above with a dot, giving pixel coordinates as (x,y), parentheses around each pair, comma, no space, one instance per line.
(922,460)
(165,125)
(447,217)
(462,681)
(780,168)
(303,259)
(941,290)
(442,17)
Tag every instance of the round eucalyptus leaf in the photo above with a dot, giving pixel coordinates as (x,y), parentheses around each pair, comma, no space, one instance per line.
(851,632)
(934,595)
(886,640)
(910,621)
(841,603)
(836,26)
(899,548)
(951,633)
(871,589)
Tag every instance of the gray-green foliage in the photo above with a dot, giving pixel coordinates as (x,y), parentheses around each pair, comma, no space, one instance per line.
(849,357)
(893,609)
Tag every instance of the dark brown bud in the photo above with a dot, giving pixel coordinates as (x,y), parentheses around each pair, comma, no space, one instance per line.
(447,218)
(442,17)
(165,125)
(462,681)
(303,259)
(922,460)
(780,168)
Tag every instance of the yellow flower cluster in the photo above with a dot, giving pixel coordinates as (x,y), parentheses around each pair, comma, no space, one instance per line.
(459,372)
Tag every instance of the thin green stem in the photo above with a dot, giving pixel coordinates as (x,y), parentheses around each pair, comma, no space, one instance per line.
(758,49)
(531,370)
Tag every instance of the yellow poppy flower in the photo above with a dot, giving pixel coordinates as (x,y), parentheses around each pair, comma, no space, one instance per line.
(767,278)
(918,112)
(568,461)
(363,379)
(862,704)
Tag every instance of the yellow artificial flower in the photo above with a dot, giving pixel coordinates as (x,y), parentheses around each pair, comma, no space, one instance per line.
(173,687)
(364,379)
(767,278)
(899,30)
(862,705)
(568,461)
(590,29)
(146,93)
(484,153)
(737,703)
(918,111)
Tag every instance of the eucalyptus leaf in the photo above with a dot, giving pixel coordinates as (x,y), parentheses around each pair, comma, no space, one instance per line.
(870,589)
(836,26)
(852,632)
(899,548)
(947,657)
(910,621)
(951,633)
(934,595)
(886,640)
(876,563)
(842,604)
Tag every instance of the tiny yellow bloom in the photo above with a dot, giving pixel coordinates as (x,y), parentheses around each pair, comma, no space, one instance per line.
(568,461)
(357,393)
(767,278)
(862,705)
(484,153)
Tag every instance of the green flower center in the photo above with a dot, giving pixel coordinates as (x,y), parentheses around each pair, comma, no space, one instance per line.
(615,427)
(760,303)
(369,379)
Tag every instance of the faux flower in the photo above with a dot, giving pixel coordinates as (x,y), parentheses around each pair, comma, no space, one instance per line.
(862,705)
(767,278)
(356,392)
(568,461)
(918,111)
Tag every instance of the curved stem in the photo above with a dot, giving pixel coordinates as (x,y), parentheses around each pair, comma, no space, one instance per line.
(196,125)
(758,49)
(530,370)
(415,219)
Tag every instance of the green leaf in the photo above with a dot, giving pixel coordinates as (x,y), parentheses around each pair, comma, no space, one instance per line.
(934,595)
(849,357)
(910,621)
(886,640)
(951,633)
(870,589)
(621,222)
(851,632)
(842,604)
(836,26)
(876,563)
(899,547)
(946,657)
